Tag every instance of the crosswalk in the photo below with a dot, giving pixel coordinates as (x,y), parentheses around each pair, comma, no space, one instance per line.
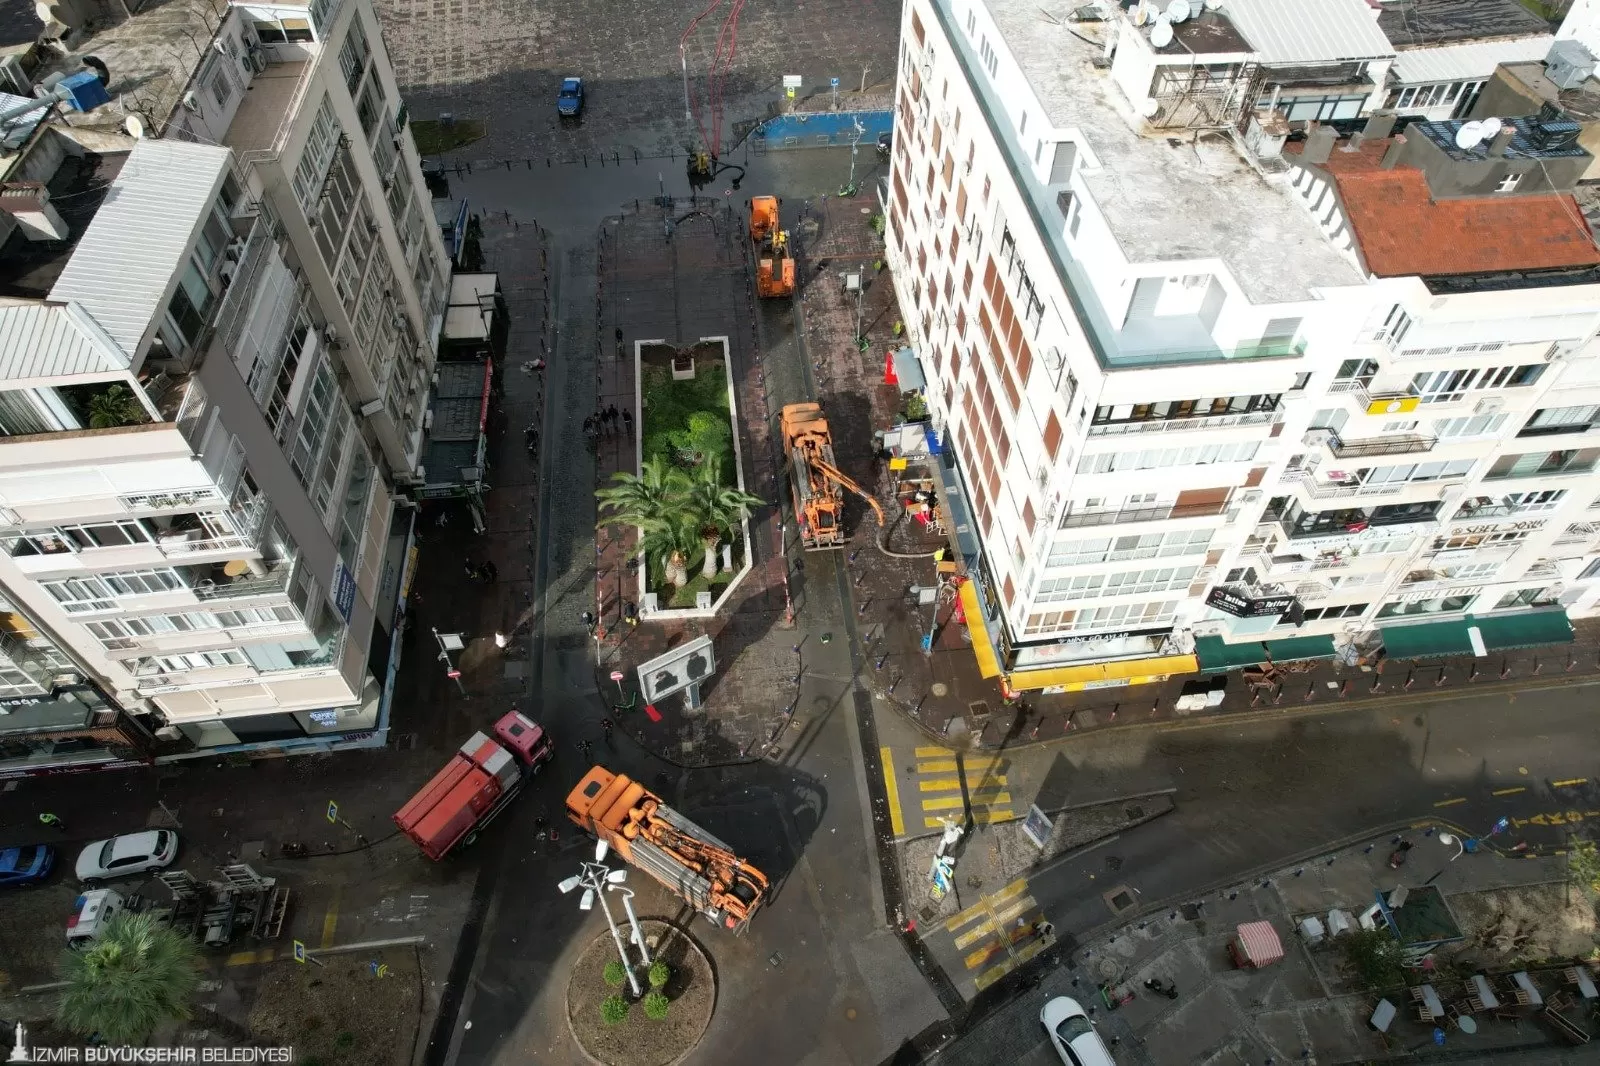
(999,933)
(948,785)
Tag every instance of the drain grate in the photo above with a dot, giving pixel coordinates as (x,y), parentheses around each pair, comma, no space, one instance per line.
(1120,899)
(1113,862)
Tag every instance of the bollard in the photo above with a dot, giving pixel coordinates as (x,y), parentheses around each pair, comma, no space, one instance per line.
(1472,675)
(1538,664)
(1440,679)
(1344,689)
(1377,685)
(1411,678)
(1505,668)
(1311,692)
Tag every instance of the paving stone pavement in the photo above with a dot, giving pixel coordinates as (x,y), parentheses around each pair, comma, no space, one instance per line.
(502,61)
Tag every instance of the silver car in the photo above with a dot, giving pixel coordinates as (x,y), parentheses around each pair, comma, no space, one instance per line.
(123,856)
(1073,1035)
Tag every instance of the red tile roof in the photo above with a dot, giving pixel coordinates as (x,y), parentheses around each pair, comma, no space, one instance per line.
(1403,231)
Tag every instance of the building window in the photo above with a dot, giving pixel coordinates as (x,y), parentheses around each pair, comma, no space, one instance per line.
(1438,605)
(1551,420)
(1204,407)
(1348,610)
(354,55)
(322,142)
(1525,598)
(284,31)
(1320,108)
(1531,464)
(1448,386)
(1159,458)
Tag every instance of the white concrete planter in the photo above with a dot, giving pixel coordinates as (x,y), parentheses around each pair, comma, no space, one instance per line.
(681,613)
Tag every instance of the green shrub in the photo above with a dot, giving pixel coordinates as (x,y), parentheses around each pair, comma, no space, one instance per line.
(660,974)
(615,974)
(655,1006)
(1375,958)
(614,1009)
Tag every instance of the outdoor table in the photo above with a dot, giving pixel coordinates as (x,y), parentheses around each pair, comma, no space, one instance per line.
(1467,1023)
(1525,983)
(1486,994)
(1382,1016)
(1586,987)
(1430,999)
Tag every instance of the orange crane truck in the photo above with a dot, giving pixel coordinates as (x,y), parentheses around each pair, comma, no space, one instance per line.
(815,483)
(774,264)
(694,865)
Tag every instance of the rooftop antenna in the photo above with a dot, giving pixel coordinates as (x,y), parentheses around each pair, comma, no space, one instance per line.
(1161,32)
(1178,10)
(135,126)
(1469,136)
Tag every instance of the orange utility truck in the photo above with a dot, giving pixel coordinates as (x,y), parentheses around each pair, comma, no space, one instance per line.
(815,483)
(690,862)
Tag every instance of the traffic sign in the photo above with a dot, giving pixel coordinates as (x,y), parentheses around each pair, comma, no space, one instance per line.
(617,675)
(333,812)
(939,873)
(833,83)
(1037,826)
(300,951)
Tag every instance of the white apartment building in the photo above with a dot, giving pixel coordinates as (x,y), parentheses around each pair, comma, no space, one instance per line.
(1202,393)
(220,295)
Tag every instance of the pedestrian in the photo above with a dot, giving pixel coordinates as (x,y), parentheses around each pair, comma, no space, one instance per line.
(488,571)
(584,747)
(605,725)
(588,424)
(611,417)
(588,622)
(627,423)
(50,821)
(472,572)
(630,612)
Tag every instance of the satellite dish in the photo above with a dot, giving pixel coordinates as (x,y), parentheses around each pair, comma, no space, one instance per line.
(1179,10)
(1213,5)
(1150,108)
(1469,136)
(1488,127)
(135,127)
(1161,33)
(1141,14)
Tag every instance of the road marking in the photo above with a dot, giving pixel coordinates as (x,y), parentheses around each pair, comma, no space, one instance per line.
(330,921)
(943,803)
(1509,791)
(993,974)
(1451,802)
(933,753)
(1569,782)
(250,958)
(943,766)
(984,954)
(977,932)
(962,917)
(939,784)
(1004,917)
(897,821)
(985,765)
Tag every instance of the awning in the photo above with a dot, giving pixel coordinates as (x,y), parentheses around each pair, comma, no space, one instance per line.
(982,646)
(1105,675)
(1427,639)
(908,368)
(1215,653)
(1524,629)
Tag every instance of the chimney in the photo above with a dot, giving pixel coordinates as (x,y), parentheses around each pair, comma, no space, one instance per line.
(1397,148)
(1319,144)
(1502,141)
(1379,126)
(29,203)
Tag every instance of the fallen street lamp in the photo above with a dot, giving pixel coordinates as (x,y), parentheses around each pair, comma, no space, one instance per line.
(594,880)
(450,642)
(1447,839)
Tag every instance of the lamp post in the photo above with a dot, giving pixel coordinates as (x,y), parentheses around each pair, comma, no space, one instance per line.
(617,886)
(1447,839)
(449,642)
(594,880)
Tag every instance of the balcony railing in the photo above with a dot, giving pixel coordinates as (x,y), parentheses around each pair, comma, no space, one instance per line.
(1169,425)
(1139,514)
(1356,449)
(1367,396)
(1327,490)
(275,582)
(180,546)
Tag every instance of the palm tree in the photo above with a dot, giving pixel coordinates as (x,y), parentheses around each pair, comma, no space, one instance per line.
(715,507)
(671,540)
(136,975)
(640,499)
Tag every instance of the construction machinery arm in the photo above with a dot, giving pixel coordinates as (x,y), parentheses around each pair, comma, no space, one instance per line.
(834,474)
(730,876)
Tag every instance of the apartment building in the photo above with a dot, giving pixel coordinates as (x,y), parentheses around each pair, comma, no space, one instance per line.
(220,294)
(1199,393)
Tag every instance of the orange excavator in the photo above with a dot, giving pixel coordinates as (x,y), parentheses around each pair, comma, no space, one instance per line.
(774,264)
(817,484)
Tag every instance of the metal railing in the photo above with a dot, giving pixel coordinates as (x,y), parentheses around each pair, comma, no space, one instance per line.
(177,547)
(1138,514)
(286,123)
(1322,490)
(1363,392)
(1409,443)
(272,583)
(1168,425)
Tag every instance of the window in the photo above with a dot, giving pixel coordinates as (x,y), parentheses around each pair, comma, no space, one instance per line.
(1348,610)
(1320,108)
(1202,407)
(1437,605)
(1480,540)
(1448,386)
(1469,426)
(1395,326)
(1300,382)
(353,56)
(1471,571)
(1551,420)
(1406,473)
(1123,549)
(322,142)
(107,534)
(220,83)
(1123,583)
(1157,458)
(1529,464)
(284,31)
(1525,598)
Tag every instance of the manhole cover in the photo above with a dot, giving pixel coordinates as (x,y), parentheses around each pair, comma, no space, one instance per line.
(1190,911)
(928,913)
(1121,901)
(939,688)
(776,958)
(1113,862)
(1108,969)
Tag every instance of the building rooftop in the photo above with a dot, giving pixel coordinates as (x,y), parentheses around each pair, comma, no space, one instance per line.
(1208,33)
(1469,60)
(1580,103)
(1165,199)
(1425,23)
(79,186)
(1309,31)
(136,242)
(470,314)
(1402,231)
(1528,143)
(19,25)
(43,340)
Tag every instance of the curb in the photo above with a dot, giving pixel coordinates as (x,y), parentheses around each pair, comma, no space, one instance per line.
(705,958)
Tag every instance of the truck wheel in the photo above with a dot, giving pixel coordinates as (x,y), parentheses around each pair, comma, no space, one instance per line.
(471,837)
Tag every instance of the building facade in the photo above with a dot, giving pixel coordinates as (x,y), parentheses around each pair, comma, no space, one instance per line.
(1200,392)
(220,295)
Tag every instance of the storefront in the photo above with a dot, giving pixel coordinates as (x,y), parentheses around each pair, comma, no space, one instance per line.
(1478,636)
(66,730)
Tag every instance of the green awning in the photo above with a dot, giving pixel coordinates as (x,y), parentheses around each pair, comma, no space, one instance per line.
(1524,629)
(1421,640)
(1215,653)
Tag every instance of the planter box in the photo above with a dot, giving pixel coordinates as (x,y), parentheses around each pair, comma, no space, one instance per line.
(681,613)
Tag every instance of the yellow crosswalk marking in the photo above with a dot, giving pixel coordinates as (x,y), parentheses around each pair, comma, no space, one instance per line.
(977,932)
(897,821)
(939,784)
(1005,916)
(1010,890)
(993,974)
(942,766)
(990,817)
(994,796)
(933,753)
(1028,951)
(977,958)
(943,803)
(962,917)
(978,766)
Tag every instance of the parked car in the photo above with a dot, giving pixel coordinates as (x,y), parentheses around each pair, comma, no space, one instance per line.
(1073,1035)
(569,101)
(26,864)
(123,856)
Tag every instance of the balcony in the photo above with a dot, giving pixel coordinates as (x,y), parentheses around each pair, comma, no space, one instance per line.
(1170,425)
(261,126)
(1402,445)
(1378,401)
(1328,490)
(1139,514)
(236,580)
(1357,520)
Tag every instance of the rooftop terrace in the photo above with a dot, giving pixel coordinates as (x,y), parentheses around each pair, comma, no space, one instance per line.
(1165,199)
(30,268)
(1427,23)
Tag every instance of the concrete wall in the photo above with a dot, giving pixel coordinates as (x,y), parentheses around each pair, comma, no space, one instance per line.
(1448,178)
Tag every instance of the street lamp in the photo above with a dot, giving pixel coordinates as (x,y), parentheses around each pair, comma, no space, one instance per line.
(594,880)
(1447,839)
(449,642)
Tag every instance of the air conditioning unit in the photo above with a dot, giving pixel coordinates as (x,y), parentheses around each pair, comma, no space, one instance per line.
(1489,405)
(330,335)
(191,101)
(1317,438)
(12,77)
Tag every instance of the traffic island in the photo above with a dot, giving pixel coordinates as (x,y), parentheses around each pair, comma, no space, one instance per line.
(637,1039)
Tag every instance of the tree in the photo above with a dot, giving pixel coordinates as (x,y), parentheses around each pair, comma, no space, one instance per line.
(715,507)
(643,498)
(115,406)
(135,976)
(671,540)
(1375,957)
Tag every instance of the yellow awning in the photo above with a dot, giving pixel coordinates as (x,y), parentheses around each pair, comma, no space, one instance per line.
(1093,675)
(982,646)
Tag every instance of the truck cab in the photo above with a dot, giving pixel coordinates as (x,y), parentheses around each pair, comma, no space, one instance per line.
(90,913)
(569,100)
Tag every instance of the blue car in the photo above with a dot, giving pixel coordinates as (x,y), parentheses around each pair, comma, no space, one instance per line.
(25,865)
(569,101)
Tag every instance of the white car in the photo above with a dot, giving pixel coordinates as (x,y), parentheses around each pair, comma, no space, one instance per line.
(1073,1034)
(131,853)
